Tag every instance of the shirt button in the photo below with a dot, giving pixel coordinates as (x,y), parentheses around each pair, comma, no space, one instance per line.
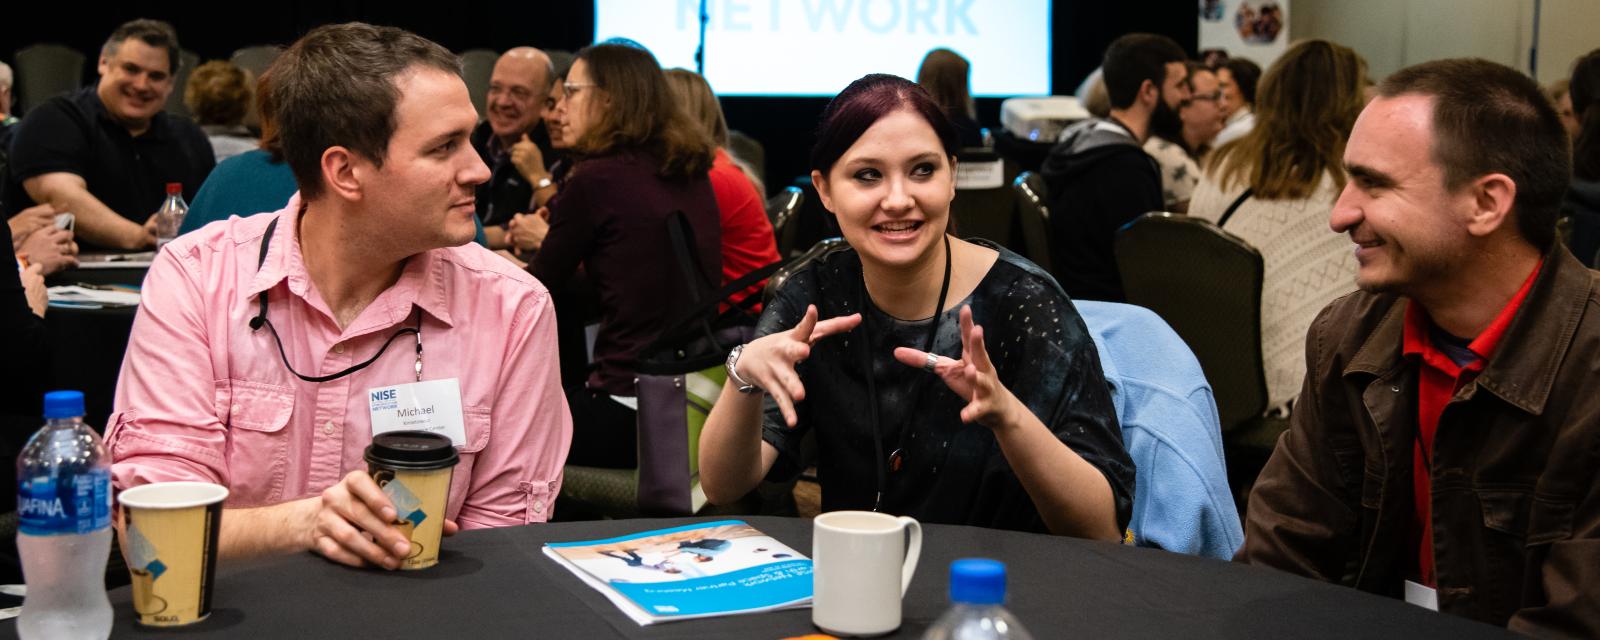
(237,409)
(538,506)
(328,428)
(338,348)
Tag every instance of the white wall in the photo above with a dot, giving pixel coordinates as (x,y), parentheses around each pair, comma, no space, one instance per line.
(1391,34)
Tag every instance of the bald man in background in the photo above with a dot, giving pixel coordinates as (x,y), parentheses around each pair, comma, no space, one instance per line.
(517,89)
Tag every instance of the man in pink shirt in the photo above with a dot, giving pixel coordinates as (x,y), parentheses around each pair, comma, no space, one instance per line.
(249,360)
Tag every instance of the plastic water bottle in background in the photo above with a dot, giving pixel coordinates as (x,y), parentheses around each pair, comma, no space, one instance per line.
(64,525)
(170,217)
(977,611)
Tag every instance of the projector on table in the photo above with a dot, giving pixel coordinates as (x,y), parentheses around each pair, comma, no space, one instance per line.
(1040,119)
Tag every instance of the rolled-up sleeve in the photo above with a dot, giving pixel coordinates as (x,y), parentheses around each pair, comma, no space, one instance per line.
(518,474)
(164,425)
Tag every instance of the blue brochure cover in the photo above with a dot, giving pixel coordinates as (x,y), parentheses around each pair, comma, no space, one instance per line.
(696,571)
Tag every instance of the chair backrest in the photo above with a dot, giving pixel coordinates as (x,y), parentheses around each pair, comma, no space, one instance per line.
(477,65)
(782,207)
(187,61)
(1206,283)
(983,207)
(257,58)
(44,70)
(817,250)
(1181,500)
(1033,218)
(811,222)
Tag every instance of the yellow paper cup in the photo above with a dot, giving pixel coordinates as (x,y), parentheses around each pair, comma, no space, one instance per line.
(171,546)
(413,468)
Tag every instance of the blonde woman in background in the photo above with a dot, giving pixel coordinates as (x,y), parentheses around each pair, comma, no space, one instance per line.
(1275,187)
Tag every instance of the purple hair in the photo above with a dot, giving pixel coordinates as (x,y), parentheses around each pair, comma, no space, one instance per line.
(866,101)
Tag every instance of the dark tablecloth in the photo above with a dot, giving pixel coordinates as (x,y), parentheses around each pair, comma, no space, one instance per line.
(87,344)
(497,583)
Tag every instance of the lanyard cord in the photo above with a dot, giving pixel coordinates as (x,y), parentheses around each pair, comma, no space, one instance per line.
(415,330)
(872,386)
(261,319)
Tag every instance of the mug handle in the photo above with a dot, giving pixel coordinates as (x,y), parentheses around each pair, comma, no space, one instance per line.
(913,552)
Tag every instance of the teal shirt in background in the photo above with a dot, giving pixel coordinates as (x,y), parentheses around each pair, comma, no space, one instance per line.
(247,184)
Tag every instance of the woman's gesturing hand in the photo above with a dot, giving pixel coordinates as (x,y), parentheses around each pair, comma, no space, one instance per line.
(769,361)
(972,377)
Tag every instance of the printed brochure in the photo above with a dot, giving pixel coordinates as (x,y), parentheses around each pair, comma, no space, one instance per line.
(696,571)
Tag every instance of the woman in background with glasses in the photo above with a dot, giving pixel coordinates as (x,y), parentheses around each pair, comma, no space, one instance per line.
(637,158)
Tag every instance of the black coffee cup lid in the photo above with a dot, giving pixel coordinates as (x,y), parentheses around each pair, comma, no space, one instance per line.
(411,450)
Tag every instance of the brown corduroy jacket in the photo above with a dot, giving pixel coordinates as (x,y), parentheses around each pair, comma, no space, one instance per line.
(1516,463)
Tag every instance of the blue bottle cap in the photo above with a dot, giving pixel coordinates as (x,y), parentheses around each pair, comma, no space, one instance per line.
(978,581)
(63,404)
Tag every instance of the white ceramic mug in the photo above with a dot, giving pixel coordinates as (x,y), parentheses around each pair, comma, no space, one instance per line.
(863,563)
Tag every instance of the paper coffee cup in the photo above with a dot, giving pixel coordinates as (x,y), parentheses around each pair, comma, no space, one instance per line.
(413,468)
(171,545)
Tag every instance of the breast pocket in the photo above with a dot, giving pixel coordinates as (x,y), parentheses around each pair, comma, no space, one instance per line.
(477,431)
(255,415)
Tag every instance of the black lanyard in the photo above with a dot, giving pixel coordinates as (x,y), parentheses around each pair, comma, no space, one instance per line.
(261,319)
(895,459)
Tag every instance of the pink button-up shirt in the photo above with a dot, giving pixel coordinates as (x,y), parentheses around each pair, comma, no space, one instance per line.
(202,397)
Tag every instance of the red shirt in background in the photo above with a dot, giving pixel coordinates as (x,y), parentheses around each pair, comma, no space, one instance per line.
(747,240)
(1438,381)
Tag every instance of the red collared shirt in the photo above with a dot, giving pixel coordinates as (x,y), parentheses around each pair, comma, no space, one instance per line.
(1438,381)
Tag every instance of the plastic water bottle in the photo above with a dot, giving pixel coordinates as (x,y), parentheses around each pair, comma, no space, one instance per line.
(64,528)
(169,218)
(977,594)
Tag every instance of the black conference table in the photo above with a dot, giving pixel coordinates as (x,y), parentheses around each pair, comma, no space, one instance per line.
(497,583)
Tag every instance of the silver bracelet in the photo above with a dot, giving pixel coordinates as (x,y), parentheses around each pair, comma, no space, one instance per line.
(744,386)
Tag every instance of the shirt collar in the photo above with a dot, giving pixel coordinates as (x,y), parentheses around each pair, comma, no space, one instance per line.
(421,281)
(1417,326)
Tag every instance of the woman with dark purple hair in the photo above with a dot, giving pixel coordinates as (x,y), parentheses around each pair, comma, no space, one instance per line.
(933,333)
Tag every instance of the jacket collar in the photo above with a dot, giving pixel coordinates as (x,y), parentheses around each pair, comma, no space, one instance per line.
(1523,369)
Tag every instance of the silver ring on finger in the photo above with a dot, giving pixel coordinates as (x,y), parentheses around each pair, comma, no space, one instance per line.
(932,361)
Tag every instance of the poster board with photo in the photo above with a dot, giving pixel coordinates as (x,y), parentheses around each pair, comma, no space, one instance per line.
(1254,29)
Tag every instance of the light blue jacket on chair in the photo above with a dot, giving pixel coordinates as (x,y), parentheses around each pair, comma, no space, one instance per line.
(1181,500)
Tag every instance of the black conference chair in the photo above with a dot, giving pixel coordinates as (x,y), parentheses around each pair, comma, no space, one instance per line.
(187,61)
(1206,283)
(477,65)
(44,70)
(257,58)
(679,377)
(1033,218)
(983,207)
(782,207)
(811,222)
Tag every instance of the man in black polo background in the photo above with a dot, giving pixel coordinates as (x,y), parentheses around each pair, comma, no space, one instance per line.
(106,153)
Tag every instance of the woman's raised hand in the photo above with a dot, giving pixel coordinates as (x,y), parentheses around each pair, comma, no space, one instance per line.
(972,377)
(769,362)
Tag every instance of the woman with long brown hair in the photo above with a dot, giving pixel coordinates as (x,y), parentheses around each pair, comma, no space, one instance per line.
(639,159)
(1275,187)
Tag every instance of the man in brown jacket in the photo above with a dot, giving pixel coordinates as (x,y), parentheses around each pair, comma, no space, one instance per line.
(1446,444)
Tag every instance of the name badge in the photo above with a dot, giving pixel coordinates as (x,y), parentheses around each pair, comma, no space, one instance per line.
(434,406)
(1422,596)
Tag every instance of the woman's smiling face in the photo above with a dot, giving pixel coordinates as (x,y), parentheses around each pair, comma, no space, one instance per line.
(891,190)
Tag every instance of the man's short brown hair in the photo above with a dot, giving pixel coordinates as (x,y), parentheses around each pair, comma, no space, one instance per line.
(1489,118)
(151,32)
(335,87)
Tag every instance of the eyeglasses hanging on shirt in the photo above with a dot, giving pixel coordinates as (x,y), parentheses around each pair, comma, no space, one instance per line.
(261,319)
